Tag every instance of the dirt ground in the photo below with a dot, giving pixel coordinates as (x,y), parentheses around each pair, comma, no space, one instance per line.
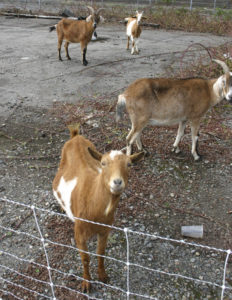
(39,97)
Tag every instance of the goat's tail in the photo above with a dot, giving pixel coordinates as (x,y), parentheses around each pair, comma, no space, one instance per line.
(120,107)
(74,129)
(51,28)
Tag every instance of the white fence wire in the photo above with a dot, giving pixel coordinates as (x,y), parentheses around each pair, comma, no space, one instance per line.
(127,263)
(45,4)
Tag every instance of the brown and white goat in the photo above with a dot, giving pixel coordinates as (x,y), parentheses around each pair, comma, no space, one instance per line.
(164,101)
(133,31)
(88,185)
(77,31)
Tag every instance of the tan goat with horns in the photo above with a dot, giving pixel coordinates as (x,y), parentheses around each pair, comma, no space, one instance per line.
(88,185)
(165,101)
(77,31)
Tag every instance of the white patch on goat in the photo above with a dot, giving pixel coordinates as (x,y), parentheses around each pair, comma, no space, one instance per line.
(108,208)
(129,28)
(229,94)
(218,87)
(65,189)
(114,153)
(89,18)
(139,17)
(99,170)
(121,99)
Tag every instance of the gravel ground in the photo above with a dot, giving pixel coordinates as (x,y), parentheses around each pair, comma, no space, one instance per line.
(39,97)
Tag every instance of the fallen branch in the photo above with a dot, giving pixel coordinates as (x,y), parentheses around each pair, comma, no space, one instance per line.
(31,16)
(17,225)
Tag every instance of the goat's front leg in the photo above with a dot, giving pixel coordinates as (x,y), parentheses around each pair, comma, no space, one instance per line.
(136,46)
(195,135)
(85,259)
(66,50)
(133,46)
(101,246)
(84,50)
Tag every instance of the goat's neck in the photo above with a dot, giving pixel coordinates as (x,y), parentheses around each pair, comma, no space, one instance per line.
(90,26)
(218,94)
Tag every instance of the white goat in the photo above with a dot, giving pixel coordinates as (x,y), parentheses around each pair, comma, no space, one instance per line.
(164,101)
(133,31)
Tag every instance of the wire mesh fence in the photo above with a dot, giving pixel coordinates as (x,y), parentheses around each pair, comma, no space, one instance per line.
(42,278)
(54,6)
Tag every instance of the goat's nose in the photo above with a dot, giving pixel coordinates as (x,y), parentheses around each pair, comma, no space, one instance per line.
(94,25)
(117,181)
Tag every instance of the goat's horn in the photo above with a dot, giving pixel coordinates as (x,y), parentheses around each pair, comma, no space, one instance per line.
(223,65)
(91,9)
(100,9)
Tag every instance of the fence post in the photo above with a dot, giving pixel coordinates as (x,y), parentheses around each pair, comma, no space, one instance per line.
(191,4)
(214,4)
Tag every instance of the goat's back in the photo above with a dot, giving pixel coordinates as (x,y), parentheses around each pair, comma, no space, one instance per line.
(74,30)
(76,160)
(168,98)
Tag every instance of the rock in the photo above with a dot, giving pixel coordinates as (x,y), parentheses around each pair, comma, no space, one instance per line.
(67,13)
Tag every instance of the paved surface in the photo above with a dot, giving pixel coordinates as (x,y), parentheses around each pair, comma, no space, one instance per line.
(30,70)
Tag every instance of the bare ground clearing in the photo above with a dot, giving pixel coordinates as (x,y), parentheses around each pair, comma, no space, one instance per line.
(39,96)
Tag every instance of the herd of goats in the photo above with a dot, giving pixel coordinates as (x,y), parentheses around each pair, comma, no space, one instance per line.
(88,184)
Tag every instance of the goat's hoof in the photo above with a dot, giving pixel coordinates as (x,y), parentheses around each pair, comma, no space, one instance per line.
(198,158)
(176,150)
(103,278)
(85,287)
(85,62)
(60,59)
(68,57)
(146,152)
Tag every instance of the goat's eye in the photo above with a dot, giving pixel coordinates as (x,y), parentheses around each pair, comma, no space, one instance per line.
(103,163)
(129,164)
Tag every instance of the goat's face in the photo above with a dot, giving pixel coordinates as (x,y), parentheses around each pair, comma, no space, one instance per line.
(225,81)
(139,17)
(227,86)
(95,18)
(115,169)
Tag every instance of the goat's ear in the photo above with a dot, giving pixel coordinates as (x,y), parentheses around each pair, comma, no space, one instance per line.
(88,19)
(74,129)
(136,157)
(95,154)
(102,19)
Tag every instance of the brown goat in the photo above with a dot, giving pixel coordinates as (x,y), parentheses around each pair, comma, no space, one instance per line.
(88,185)
(77,31)
(165,101)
